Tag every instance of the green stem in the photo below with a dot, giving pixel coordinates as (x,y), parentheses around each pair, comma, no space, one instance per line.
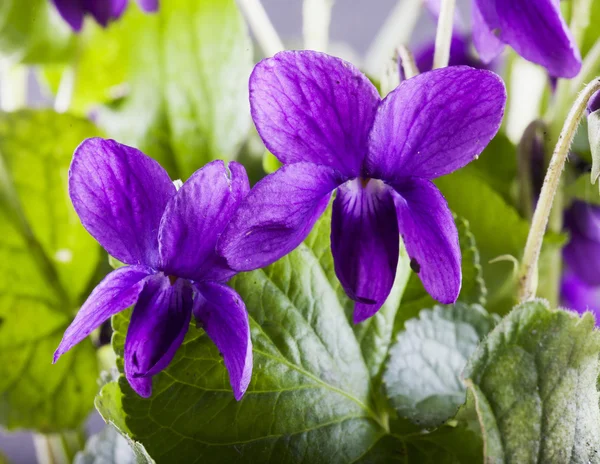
(58,448)
(13,86)
(443,37)
(409,65)
(529,264)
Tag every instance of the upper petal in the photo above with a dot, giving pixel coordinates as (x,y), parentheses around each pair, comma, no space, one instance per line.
(435,123)
(488,45)
(195,218)
(365,243)
(148,6)
(277,215)
(104,11)
(579,295)
(158,325)
(72,12)
(120,195)
(119,290)
(537,32)
(430,236)
(223,316)
(309,106)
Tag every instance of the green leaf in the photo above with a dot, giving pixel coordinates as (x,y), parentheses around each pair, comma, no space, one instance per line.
(47,261)
(594,139)
(498,229)
(534,382)
(311,397)
(423,374)
(188,70)
(33,33)
(583,190)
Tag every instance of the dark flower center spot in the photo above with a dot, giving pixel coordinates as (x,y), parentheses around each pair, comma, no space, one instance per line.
(415,266)
(364,181)
(172,279)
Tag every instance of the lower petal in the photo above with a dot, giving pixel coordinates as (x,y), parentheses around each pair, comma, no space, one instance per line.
(582,255)
(365,243)
(223,316)
(430,236)
(580,296)
(158,325)
(277,215)
(148,6)
(119,290)
(72,12)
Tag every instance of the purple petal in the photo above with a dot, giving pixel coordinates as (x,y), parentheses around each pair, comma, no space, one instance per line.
(104,11)
(158,325)
(580,296)
(536,31)
(119,290)
(195,218)
(365,243)
(223,316)
(72,11)
(309,106)
(460,55)
(594,103)
(435,123)
(582,253)
(120,195)
(429,233)
(148,6)
(487,44)
(277,215)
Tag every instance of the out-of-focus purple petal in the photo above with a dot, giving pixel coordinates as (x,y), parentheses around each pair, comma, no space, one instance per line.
(536,31)
(222,314)
(580,296)
(104,11)
(594,103)
(488,45)
(120,195)
(158,325)
(277,215)
(195,218)
(72,12)
(309,106)
(364,243)
(149,6)
(460,55)
(430,236)
(582,253)
(119,290)
(435,123)
(584,219)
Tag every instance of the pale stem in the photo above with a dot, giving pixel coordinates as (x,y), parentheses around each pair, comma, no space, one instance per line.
(397,29)
(390,78)
(409,66)
(315,24)
(64,95)
(580,19)
(261,26)
(528,272)
(13,86)
(57,448)
(443,37)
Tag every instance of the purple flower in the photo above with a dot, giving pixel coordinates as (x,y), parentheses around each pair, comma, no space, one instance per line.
(460,55)
(103,11)
(579,296)
(325,121)
(594,103)
(535,29)
(582,253)
(167,238)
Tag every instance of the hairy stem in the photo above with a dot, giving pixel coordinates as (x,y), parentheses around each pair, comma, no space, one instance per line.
(261,26)
(316,16)
(443,37)
(528,272)
(407,59)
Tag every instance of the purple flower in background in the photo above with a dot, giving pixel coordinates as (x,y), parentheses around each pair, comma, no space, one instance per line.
(103,11)
(167,239)
(580,296)
(582,253)
(460,55)
(325,121)
(535,29)
(594,103)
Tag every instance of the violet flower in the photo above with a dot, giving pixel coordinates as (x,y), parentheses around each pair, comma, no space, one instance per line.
(535,29)
(167,238)
(103,11)
(325,121)
(580,296)
(460,55)
(582,253)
